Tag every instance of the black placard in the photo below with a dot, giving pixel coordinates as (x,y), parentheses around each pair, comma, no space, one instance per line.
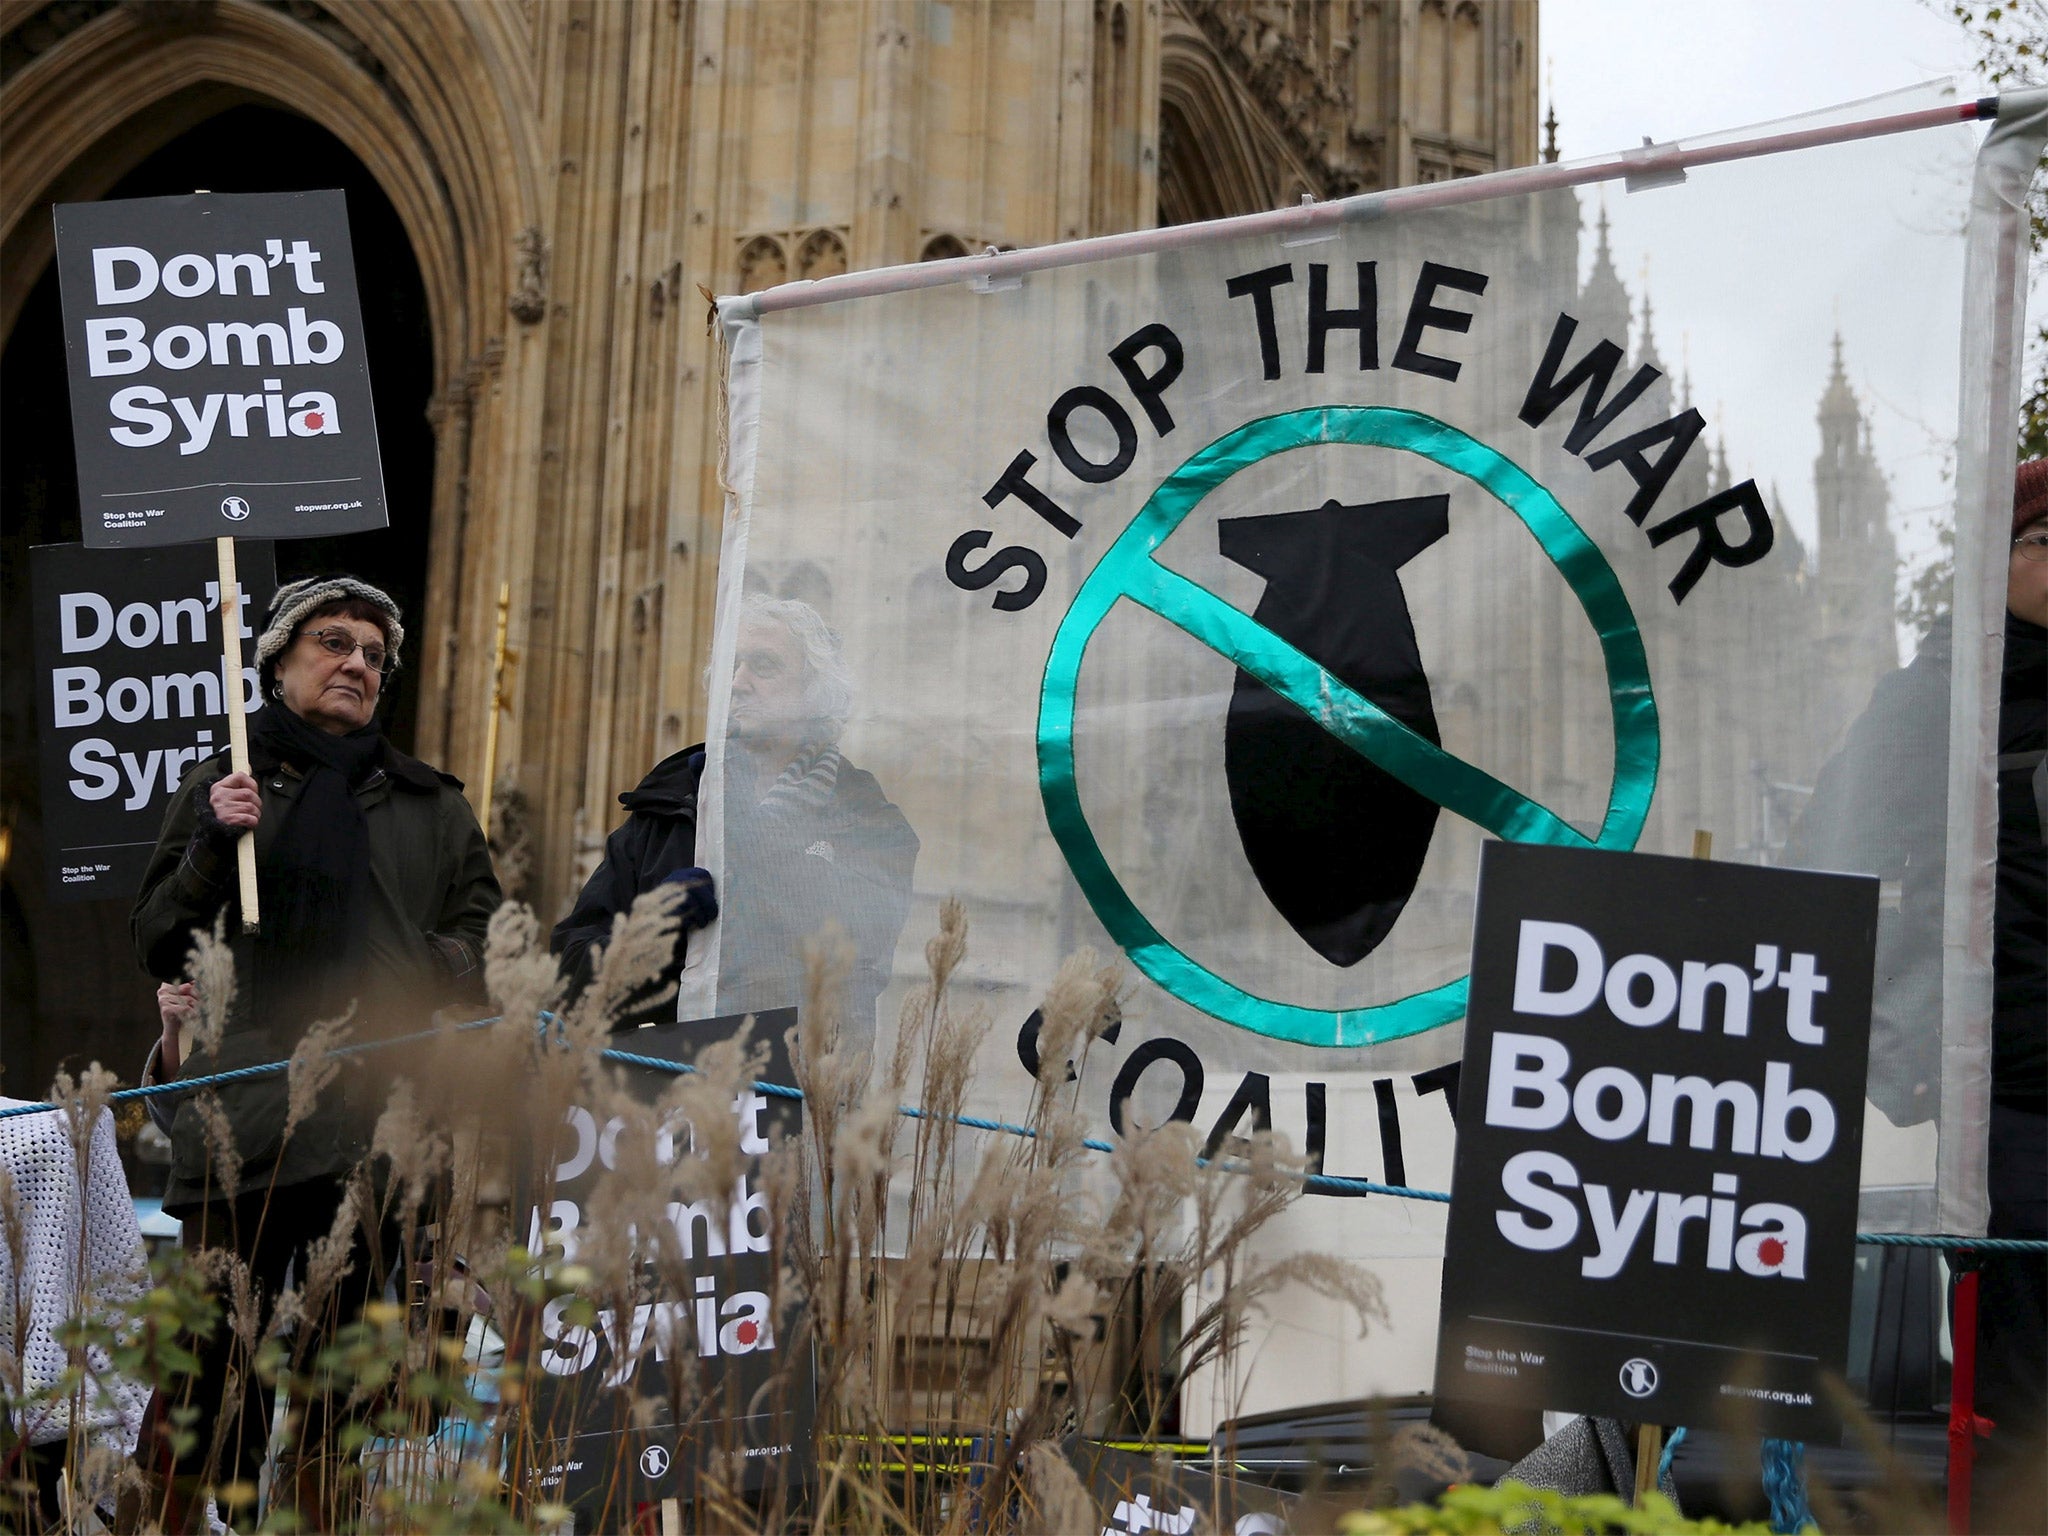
(129,694)
(1608,1251)
(218,378)
(752,1403)
(1135,1494)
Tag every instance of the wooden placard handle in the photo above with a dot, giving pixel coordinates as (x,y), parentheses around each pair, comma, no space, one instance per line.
(238,721)
(1649,1452)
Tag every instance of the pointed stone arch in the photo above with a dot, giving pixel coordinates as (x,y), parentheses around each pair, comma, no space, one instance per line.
(97,99)
(762,264)
(822,254)
(1210,165)
(1219,153)
(423,96)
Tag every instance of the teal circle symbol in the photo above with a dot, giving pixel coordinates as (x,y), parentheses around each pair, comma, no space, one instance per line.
(1129,570)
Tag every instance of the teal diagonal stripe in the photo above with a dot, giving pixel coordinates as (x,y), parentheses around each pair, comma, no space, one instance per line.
(1356,721)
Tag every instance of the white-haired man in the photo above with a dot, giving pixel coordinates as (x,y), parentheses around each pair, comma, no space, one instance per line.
(810,839)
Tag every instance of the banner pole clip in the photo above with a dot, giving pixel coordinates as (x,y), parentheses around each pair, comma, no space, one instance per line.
(992,282)
(1653,165)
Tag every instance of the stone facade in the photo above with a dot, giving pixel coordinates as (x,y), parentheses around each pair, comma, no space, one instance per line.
(573,175)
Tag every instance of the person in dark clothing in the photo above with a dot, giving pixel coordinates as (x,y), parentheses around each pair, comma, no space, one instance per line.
(376,893)
(810,839)
(1880,807)
(2011,1489)
(657,845)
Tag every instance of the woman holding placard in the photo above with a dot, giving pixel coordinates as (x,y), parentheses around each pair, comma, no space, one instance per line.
(376,889)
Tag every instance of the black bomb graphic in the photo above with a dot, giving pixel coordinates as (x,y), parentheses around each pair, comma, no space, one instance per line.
(1340,869)
(1336,841)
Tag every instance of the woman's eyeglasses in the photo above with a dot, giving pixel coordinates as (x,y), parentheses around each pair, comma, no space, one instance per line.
(2032,545)
(339,642)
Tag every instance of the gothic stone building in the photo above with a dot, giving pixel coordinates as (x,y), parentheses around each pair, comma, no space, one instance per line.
(541,192)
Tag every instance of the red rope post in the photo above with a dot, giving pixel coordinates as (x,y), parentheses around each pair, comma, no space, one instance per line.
(1965,1425)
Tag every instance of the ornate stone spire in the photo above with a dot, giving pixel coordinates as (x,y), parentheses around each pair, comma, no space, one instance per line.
(1603,302)
(1550,115)
(1839,413)
(1646,354)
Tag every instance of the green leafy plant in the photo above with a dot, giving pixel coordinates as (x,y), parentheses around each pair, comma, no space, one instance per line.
(1509,1506)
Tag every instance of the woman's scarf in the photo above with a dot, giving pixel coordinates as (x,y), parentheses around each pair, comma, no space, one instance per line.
(315,876)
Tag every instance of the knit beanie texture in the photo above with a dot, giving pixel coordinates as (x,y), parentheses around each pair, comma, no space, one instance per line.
(2029,494)
(296,599)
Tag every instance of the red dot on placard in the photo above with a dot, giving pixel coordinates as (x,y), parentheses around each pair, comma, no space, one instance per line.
(1770,1251)
(313,420)
(746,1333)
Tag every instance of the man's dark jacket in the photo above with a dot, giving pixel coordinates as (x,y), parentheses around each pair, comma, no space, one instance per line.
(792,871)
(1880,806)
(659,838)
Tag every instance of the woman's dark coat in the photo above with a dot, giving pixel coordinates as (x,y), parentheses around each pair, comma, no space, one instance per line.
(430,899)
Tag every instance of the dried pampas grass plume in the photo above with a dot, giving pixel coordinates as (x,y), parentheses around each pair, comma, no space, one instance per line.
(224,1267)
(1075,1306)
(1084,1000)
(330,1258)
(523,977)
(224,1157)
(313,1067)
(210,967)
(1428,1451)
(628,972)
(1352,1285)
(1059,1503)
(81,1103)
(417,1149)
(944,950)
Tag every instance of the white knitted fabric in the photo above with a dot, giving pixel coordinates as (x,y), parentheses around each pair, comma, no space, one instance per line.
(76,1245)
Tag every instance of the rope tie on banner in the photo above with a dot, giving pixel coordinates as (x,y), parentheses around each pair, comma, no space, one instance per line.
(1312,1183)
(1784,1476)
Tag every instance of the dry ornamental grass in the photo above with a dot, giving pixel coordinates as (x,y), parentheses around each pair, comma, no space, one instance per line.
(933,1282)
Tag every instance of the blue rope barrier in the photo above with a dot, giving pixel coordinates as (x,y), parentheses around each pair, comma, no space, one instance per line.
(1784,1478)
(1314,1183)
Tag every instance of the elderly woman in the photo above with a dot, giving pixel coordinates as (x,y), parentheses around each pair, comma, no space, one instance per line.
(376,889)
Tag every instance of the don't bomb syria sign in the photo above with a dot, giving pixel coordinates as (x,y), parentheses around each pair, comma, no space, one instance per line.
(219,384)
(1210,605)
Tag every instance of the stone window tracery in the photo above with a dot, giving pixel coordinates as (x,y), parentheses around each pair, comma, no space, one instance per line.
(822,254)
(763,264)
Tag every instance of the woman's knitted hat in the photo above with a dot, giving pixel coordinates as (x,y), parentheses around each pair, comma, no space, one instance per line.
(296,599)
(2029,495)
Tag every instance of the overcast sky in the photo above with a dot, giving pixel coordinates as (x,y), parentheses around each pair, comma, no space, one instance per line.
(1618,70)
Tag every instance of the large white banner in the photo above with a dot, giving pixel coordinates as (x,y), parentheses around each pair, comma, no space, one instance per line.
(1210,603)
